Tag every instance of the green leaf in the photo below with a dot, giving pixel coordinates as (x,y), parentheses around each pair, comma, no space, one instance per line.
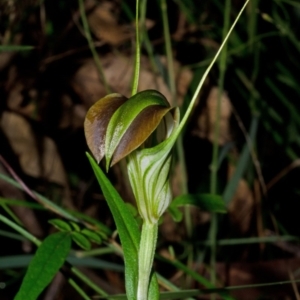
(208,202)
(75,226)
(48,259)
(10,48)
(60,224)
(153,292)
(81,240)
(132,209)
(132,123)
(22,261)
(96,122)
(175,213)
(242,164)
(127,228)
(91,235)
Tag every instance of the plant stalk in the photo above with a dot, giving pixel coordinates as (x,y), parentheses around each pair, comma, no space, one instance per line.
(214,165)
(88,36)
(172,86)
(137,51)
(168,44)
(146,256)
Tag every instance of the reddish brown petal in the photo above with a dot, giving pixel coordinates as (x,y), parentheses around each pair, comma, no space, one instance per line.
(96,121)
(139,130)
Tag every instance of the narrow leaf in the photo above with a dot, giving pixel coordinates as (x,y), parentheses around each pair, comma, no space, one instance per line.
(127,228)
(175,213)
(81,240)
(10,48)
(60,224)
(75,226)
(241,165)
(48,259)
(50,205)
(21,261)
(208,202)
(92,236)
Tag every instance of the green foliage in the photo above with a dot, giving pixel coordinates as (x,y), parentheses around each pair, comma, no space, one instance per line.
(12,48)
(92,236)
(206,202)
(48,259)
(81,240)
(60,224)
(82,237)
(127,228)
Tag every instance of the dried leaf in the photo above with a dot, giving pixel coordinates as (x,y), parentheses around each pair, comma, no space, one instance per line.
(23,142)
(207,120)
(104,24)
(118,71)
(43,161)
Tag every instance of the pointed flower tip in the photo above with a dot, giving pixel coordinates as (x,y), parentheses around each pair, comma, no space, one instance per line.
(107,165)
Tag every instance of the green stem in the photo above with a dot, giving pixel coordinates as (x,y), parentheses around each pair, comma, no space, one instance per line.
(143,10)
(195,96)
(146,256)
(78,289)
(88,36)
(21,230)
(184,188)
(137,52)
(87,281)
(214,165)
(94,252)
(171,73)
(172,86)
(11,213)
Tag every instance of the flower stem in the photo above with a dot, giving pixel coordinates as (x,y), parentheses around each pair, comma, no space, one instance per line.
(146,255)
(137,50)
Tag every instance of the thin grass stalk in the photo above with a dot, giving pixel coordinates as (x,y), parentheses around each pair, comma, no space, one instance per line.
(88,282)
(143,29)
(205,74)
(78,289)
(11,213)
(11,235)
(214,164)
(252,30)
(145,39)
(252,23)
(172,86)
(21,230)
(137,62)
(90,41)
(168,45)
